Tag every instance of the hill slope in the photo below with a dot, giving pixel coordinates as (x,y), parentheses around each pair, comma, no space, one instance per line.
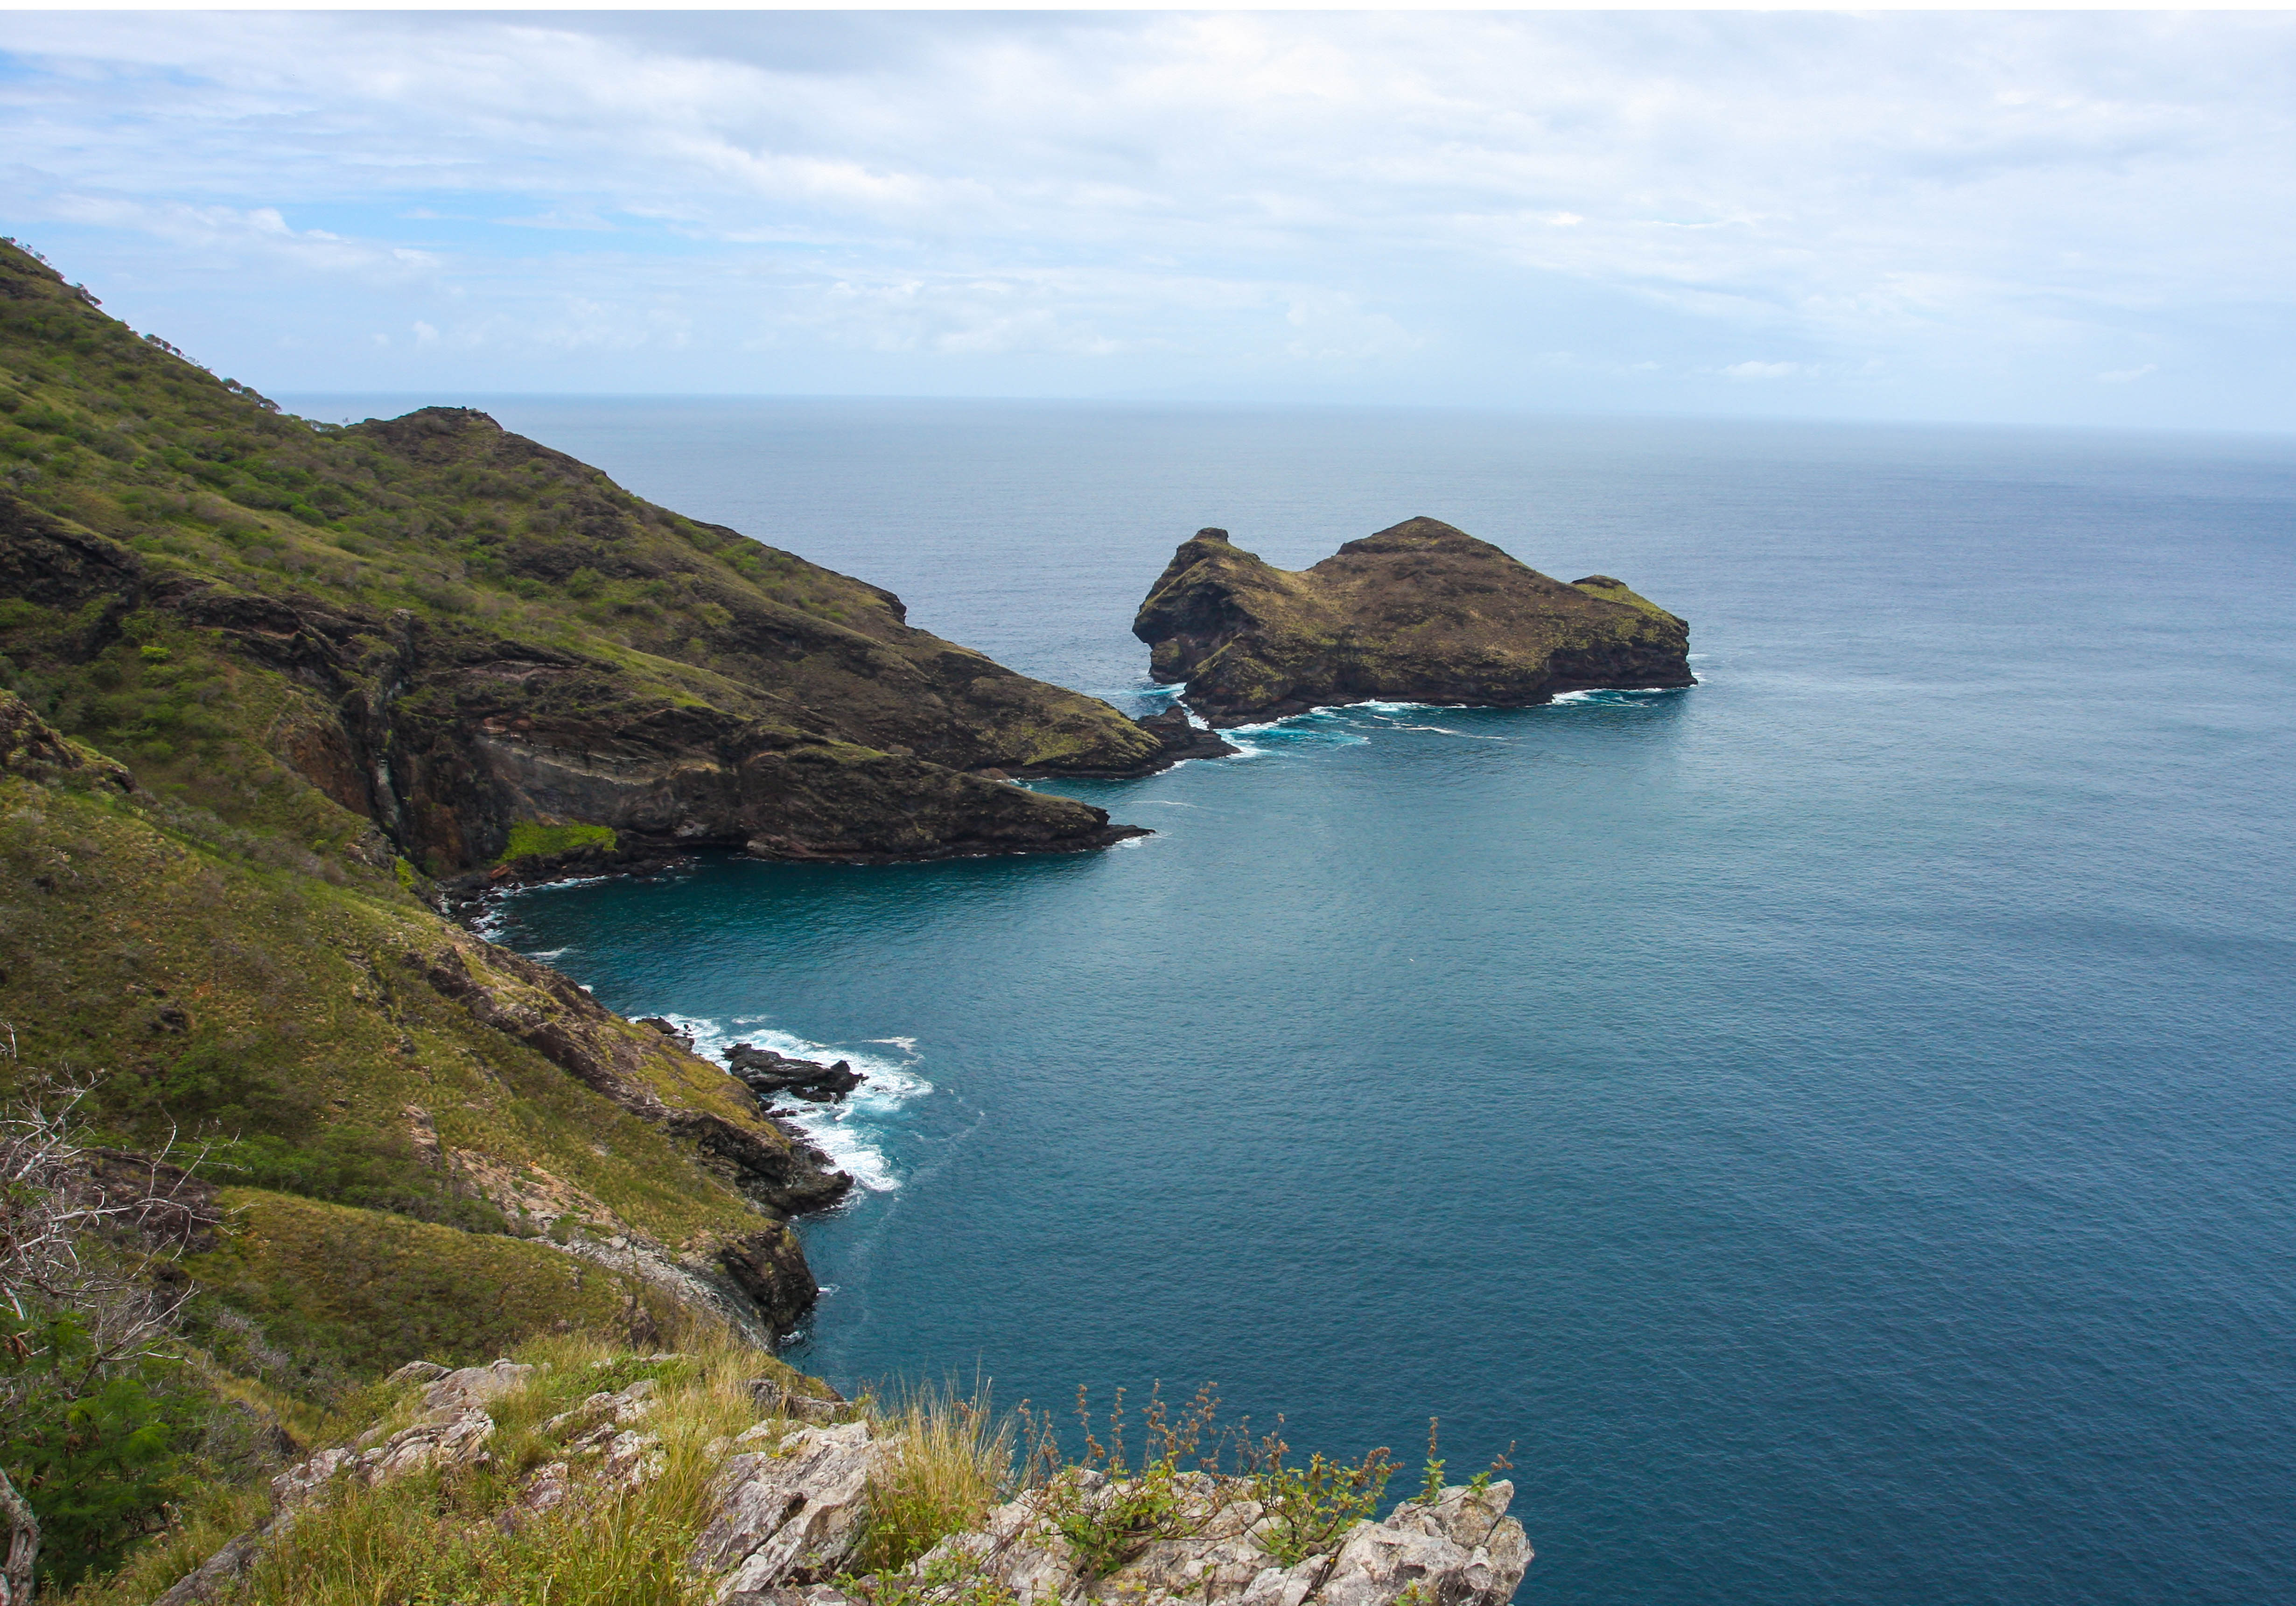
(449,630)
(422,1138)
(261,681)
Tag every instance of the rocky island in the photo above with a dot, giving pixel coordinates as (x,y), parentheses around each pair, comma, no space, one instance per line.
(1419,612)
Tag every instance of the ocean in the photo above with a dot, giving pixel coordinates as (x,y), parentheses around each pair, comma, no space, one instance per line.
(1829,1128)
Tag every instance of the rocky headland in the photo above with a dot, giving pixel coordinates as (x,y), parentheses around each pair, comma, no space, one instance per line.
(278,695)
(278,700)
(1419,612)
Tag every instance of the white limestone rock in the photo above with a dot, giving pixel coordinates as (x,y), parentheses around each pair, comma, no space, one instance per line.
(791,1517)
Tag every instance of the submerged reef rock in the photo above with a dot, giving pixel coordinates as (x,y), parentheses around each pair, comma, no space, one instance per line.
(1420,612)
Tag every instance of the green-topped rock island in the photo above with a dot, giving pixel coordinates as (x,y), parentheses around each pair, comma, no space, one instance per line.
(1420,612)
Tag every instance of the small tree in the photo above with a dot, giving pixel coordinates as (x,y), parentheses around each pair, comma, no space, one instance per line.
(84,1314)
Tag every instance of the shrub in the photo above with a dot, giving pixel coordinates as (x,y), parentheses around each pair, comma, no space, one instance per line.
(1308,1509)
(97,1454)
(1109,1525)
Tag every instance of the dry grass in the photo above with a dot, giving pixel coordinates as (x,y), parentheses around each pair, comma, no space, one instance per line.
(443,1536)
(957,1461)
(438,1536)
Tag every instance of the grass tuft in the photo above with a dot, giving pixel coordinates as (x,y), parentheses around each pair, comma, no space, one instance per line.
(957,1462)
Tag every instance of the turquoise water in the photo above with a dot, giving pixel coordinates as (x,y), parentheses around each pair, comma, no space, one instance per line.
(1834,1122)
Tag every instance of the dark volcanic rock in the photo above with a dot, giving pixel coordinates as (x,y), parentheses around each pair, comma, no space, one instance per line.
(1420,612)
(1182,739)
(769,1266)
(766,1073)
(667,1030)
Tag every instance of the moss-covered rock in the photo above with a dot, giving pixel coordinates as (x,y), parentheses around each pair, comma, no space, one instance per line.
(1420,612)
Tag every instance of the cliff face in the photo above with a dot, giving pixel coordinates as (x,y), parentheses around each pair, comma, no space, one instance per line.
(446,735)
(450,630)
(1420,612)
(415,1119)
(260,678)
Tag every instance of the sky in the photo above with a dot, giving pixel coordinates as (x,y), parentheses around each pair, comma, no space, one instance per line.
(2050,218)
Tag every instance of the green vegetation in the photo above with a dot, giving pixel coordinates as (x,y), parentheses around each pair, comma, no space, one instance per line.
(957,1463)
(528,840)
(397,1176)
(434,1537)
(360,1290)
(1108,1525)
(250,608)
(948,1580)
(286,1019)
(97,1451)
(1309,1508)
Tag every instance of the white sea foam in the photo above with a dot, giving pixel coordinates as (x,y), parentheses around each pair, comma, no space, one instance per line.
(851,1132)
(1318,727)
(547,954)
(1611,697)
(1445,730)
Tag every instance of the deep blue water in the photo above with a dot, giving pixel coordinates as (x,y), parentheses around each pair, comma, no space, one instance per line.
(1834,1121)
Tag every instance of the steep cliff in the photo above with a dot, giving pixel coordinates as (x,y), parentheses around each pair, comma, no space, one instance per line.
(422,1138)
(450,631)
(1420,612)
(261,680)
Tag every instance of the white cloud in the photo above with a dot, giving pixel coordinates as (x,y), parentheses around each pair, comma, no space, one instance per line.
(1989,208)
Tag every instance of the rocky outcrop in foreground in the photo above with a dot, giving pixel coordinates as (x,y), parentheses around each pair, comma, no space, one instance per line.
(1420,612)
(788,1512)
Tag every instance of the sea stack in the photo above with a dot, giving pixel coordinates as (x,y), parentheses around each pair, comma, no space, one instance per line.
(1420,612)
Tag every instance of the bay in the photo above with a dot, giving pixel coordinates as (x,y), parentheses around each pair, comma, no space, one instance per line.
(1833,1122)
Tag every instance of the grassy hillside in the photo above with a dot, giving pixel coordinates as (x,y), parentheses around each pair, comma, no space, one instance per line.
(329,1039)
(447,631)
(262,683)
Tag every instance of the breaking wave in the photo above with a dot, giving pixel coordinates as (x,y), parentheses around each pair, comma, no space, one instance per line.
(852,1132)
